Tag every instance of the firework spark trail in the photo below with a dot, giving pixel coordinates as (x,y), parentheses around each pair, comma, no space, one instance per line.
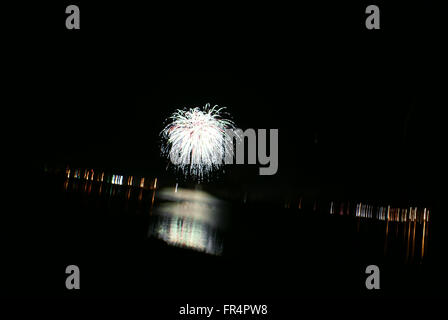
(197,141)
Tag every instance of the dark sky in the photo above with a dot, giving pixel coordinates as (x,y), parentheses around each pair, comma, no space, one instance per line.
(348,104)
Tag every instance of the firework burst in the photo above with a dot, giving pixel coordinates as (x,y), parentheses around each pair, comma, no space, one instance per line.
(197,141)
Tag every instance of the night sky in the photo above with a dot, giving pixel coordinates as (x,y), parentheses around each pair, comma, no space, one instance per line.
(360,115)
(350,105)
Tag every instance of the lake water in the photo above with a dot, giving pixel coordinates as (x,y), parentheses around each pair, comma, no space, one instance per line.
(177,242)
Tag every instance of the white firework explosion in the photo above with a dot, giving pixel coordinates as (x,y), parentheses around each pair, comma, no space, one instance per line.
(197,141)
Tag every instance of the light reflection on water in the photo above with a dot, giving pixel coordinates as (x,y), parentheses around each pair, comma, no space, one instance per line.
(406,230)
(408,240)
(186,218)
(189,219)
(188,233)
(194,219)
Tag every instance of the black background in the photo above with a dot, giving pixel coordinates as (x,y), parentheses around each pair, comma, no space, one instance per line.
(98,97)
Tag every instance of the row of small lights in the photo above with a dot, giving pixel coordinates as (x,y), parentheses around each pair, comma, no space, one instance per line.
(115,179)
(386,213)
